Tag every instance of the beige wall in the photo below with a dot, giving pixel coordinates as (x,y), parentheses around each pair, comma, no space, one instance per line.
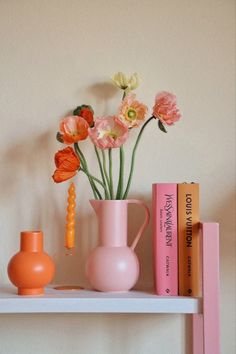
(57,54)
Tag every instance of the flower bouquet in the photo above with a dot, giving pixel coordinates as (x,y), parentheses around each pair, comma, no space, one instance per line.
(108,133)
(113,265)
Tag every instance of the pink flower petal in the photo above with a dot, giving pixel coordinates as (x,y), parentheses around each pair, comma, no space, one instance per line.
(165,108)
(108,132)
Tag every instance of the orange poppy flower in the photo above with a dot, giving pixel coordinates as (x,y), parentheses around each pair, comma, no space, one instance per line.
(85,111)
(87,115)
(73,129)
(67,163)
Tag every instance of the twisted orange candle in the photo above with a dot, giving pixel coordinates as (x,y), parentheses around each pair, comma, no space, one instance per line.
(70,226)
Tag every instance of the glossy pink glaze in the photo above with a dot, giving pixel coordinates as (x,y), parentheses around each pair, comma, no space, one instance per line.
(113,266)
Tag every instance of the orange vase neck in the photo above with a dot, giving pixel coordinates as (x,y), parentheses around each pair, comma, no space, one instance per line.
(31,241)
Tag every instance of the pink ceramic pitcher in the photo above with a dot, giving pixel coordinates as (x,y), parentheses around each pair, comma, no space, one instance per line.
(113,266)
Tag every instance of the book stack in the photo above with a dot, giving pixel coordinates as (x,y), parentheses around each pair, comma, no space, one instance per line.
(176,238)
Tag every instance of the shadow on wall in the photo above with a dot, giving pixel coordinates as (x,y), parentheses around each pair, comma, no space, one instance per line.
(40,204)
(225,215)
(99,96)
(26,183)
(26,174)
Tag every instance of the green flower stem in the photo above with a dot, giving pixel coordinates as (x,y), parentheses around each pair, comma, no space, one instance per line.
(93,177)
(102,173)
(133,157)
(80,154)
(121,174)
(105,172)
(96,192)
(110,173)
(93,185)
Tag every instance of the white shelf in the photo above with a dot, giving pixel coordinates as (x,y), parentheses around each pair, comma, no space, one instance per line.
(84,301)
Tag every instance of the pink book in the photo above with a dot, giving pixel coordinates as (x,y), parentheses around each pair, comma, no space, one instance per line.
(164,196)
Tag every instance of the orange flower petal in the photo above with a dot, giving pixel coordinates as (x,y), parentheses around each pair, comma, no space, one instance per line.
(131,105)
(61,175)
(70,164)
(67,163)
(87,115)
(73,129)
(66,156)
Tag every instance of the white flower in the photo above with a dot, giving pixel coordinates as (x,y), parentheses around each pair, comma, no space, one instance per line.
(125,83)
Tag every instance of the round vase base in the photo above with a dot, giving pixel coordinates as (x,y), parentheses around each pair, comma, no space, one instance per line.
(27,291)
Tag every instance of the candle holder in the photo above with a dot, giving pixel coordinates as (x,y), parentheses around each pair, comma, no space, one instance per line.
(67,266)
(67,260)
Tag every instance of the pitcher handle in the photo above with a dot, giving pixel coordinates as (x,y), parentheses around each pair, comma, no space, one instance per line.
(146,221)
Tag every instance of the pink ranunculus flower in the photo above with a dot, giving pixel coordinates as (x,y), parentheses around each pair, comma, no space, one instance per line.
(165,108)
(132,112)
(108,132)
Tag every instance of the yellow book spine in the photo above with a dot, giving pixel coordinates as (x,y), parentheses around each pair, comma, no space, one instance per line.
(188,239)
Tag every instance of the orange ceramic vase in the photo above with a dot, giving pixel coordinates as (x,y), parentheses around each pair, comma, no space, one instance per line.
(31,268)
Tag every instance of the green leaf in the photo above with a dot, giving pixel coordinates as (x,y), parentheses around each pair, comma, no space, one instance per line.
(161,126)
(59,137)
(77,111)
